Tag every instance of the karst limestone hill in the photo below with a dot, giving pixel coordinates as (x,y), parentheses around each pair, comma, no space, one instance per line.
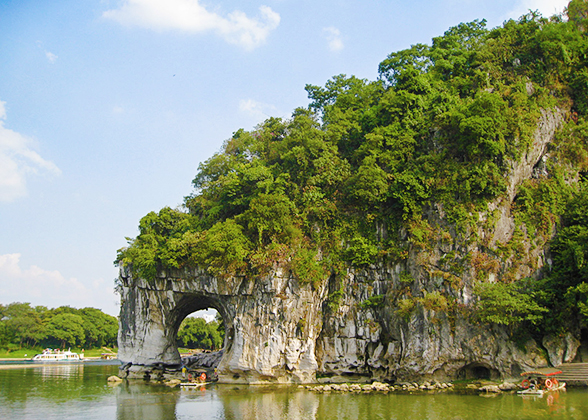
(430,224)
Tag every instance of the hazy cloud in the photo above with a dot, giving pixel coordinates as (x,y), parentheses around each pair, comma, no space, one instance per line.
(50,56)
(17,161)
(48,287)
(546,7)
(258,110)
(190,16)
(333,36)
(37,282)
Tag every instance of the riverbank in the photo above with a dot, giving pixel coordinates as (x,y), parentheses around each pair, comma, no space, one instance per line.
(29,353)
(25,364)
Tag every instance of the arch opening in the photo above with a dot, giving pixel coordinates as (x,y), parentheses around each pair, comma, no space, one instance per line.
(201,331)
(209,338)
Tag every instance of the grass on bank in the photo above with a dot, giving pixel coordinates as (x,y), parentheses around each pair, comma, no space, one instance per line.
(30,352)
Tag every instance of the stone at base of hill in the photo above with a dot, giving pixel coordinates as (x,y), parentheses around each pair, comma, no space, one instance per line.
(490,388)
(173,383)
(507,386)
(203,360)
(380,387)
(114,379)
(561,349)
(383,387)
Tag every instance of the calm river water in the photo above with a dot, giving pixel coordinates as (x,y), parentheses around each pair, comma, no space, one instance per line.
(81,392)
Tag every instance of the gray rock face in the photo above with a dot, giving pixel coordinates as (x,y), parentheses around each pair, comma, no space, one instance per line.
(380,323)
(561,349)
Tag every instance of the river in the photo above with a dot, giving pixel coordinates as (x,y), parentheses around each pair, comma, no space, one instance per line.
(81,391)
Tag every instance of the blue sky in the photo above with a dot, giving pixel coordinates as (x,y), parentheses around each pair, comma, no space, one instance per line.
(108,107)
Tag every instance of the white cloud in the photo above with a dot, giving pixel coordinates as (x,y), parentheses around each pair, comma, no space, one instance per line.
(51,57)
(546,7)
(258,110)
(333,36)
(191,16)
(17,161)
(49,288)
(208,315)
(35,283)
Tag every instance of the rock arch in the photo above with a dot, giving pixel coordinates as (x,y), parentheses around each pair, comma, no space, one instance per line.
(264,341)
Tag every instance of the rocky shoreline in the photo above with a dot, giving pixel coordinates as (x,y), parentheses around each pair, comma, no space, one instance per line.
(412,387)
(485,387)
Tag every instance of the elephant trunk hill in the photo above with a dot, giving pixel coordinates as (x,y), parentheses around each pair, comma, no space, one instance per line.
(431,224)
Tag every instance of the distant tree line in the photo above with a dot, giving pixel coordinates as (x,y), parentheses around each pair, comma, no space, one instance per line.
(196,333)
(22,325)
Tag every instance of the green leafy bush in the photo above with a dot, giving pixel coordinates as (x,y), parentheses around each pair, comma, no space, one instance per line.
(507,304)
(434,301)
(405,307)
(376,301)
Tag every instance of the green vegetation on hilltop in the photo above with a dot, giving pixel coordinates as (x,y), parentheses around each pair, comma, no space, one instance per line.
(349,179)
(24,326)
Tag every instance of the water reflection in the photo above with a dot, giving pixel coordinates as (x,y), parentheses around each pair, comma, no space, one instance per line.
(137,401)
(81,391)
(52,371)
(146,402)
(255,403)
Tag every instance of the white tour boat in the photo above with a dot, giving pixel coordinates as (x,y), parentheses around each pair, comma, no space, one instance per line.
(49,355)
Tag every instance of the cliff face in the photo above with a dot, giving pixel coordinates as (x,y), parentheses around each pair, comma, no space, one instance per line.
(380,322)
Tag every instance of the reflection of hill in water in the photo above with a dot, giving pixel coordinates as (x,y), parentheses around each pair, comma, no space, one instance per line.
(136,401)
(259,403)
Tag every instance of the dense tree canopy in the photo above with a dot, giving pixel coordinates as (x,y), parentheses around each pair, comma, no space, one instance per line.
(196,333)
(22,325)
(346,180)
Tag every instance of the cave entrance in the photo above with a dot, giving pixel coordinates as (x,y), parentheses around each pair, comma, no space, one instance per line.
(478,371)
(202,330)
